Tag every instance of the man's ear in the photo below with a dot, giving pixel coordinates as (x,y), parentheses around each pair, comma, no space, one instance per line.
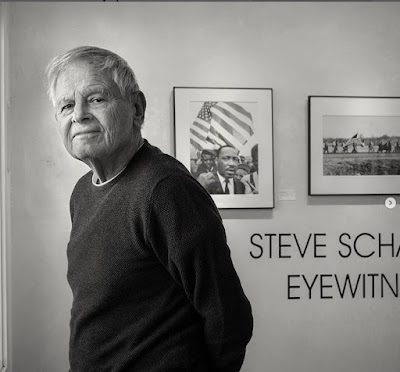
(139,102)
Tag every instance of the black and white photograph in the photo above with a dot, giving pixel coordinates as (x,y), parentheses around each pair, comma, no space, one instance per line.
(199,186)
(354,145)
(361,145)
(227,129)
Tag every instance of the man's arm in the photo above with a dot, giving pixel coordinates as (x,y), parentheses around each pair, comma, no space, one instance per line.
(186,232)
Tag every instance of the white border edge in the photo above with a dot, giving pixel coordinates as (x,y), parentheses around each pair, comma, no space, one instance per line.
(3,184)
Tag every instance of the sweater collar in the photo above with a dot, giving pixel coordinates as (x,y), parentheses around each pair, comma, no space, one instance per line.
(96,180)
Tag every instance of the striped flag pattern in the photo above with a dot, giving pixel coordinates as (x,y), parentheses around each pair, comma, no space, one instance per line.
(219,124)
(201,127)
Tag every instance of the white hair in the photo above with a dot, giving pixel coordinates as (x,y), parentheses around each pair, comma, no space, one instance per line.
(104,59)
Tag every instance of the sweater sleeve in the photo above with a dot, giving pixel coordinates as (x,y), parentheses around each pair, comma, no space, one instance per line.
(186,233)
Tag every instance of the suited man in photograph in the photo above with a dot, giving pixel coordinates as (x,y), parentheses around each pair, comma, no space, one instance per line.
(224,181)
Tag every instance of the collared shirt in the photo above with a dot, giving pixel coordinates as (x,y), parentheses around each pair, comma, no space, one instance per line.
(223,183)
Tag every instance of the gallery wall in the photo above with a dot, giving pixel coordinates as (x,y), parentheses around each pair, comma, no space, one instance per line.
(302,321)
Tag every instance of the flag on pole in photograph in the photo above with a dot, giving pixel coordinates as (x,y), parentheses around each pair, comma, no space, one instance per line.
(200,128)
(353,139)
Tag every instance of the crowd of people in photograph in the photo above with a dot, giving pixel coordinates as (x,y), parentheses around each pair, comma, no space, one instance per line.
(337,147)
(225,171)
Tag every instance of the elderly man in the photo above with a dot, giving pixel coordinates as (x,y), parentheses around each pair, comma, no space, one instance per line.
(153,284)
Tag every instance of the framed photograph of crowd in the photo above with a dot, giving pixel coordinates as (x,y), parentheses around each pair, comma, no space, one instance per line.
(354,145)
(224,137)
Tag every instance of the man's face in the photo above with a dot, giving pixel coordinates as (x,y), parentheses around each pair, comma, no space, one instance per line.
(228,162)
(208,161)
(95,123)
(240,173)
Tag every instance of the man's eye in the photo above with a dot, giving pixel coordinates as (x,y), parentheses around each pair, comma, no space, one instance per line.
(66,107)
(98,99)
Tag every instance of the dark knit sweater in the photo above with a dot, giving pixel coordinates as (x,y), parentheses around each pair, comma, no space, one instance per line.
(154,288)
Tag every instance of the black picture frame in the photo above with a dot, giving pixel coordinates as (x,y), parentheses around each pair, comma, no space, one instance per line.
(209,118)
(354,145)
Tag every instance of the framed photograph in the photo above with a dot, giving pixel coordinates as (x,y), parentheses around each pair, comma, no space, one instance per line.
(224,137)
(354,145)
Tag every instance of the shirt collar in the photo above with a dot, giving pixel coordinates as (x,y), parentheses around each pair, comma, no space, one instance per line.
(230,184)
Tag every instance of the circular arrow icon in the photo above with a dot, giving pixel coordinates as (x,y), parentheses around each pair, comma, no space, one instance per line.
(390,203)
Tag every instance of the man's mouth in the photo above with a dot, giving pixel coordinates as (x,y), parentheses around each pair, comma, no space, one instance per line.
(87,133)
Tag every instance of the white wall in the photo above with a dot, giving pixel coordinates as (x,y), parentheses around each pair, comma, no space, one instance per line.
(298,49)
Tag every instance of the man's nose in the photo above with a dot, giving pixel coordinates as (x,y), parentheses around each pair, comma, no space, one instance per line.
(81,113)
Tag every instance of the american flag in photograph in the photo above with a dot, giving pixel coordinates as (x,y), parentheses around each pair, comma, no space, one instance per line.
(232,123)
(219,124)
(201,127)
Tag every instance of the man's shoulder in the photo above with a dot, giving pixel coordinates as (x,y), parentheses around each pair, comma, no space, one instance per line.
(83,182)
(150,166)
(157,164)
(159,175)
